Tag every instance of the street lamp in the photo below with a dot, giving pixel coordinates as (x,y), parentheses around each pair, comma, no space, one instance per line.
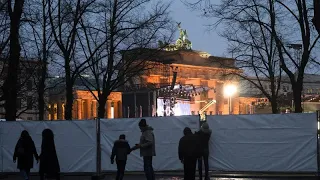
(229,91)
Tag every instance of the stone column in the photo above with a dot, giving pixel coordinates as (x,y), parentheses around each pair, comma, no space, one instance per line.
(87,109)
(235,104)
(119,110)
(50,112)
(55,111)
(63,111)
(74,109)
(212,94)
(115,109)
(94,108)
(79,109)
(220,98)
(108,109)
(90,112)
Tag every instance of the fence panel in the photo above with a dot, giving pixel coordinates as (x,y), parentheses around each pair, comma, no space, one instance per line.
(273,142)
(167,131)
(75,143)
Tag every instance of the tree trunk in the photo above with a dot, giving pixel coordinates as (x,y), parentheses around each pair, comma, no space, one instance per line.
(10,87)
(274,105)
(297,92)
(101,109)
(43,75)
(69,92)
(316,18)
(41,92)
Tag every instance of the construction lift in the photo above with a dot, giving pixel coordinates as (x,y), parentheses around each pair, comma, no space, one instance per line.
(202,111)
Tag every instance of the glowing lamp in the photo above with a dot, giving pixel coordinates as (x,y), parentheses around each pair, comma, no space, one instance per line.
(230,90)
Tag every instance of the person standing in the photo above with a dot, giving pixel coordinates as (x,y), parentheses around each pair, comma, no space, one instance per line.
(204,135)
(120,150)
(147,148)
(188,153)
(24,151)
(49,164)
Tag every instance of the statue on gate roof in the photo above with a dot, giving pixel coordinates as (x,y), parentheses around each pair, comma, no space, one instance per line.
(181,43)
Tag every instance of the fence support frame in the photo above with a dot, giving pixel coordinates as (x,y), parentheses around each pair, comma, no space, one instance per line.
(98,160)
(318,136)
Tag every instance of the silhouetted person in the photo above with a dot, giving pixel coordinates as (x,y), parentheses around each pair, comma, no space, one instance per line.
(188,153)
(24,151)
(147,148)
(120,150)
(204,137)
(49,164)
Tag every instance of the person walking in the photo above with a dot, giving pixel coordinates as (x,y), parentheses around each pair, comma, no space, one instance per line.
(147,148)
(25,150)
(49,164)
(204,135)
(120,150)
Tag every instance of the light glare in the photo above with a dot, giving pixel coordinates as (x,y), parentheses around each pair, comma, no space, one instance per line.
(230,90)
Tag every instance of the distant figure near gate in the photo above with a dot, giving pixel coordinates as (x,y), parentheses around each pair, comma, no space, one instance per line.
(120,150)
(147,148)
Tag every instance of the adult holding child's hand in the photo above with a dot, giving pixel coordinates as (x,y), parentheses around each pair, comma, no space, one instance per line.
(147,148)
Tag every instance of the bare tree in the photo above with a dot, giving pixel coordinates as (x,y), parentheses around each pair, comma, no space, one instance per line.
(43,44)
(65,16)
(299,11)
(252,45)
(4,29)
(4,48)
(288,24)
(118,50)
(316,17)
(9,87)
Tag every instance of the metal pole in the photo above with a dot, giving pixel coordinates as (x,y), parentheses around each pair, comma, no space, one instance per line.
(135,104)
(98,161)
(318,136)
(149,105)
(229,105)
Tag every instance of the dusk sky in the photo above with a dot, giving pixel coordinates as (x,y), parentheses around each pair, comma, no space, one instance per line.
(201,38)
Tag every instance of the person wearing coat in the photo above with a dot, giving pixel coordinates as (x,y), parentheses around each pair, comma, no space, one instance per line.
(25,150)
(120,150)
(147,148)
(204,135)
(49,164)
(188,153)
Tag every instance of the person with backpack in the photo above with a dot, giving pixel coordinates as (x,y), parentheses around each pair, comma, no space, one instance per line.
(188,153)
(120,150)
(204,135)
(25,150)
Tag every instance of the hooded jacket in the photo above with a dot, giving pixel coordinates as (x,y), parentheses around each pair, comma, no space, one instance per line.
(120,150)
(49,162)
(188,145)
(204,137)
(147,142)
(25,160)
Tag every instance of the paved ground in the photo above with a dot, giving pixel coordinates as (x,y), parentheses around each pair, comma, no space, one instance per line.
(163,177)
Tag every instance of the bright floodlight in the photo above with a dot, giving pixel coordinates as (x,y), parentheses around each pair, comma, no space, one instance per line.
(230,90)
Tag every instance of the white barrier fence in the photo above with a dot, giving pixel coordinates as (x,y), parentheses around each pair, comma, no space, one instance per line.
(273,142)
(167,132)
(75,143)
(280,142)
